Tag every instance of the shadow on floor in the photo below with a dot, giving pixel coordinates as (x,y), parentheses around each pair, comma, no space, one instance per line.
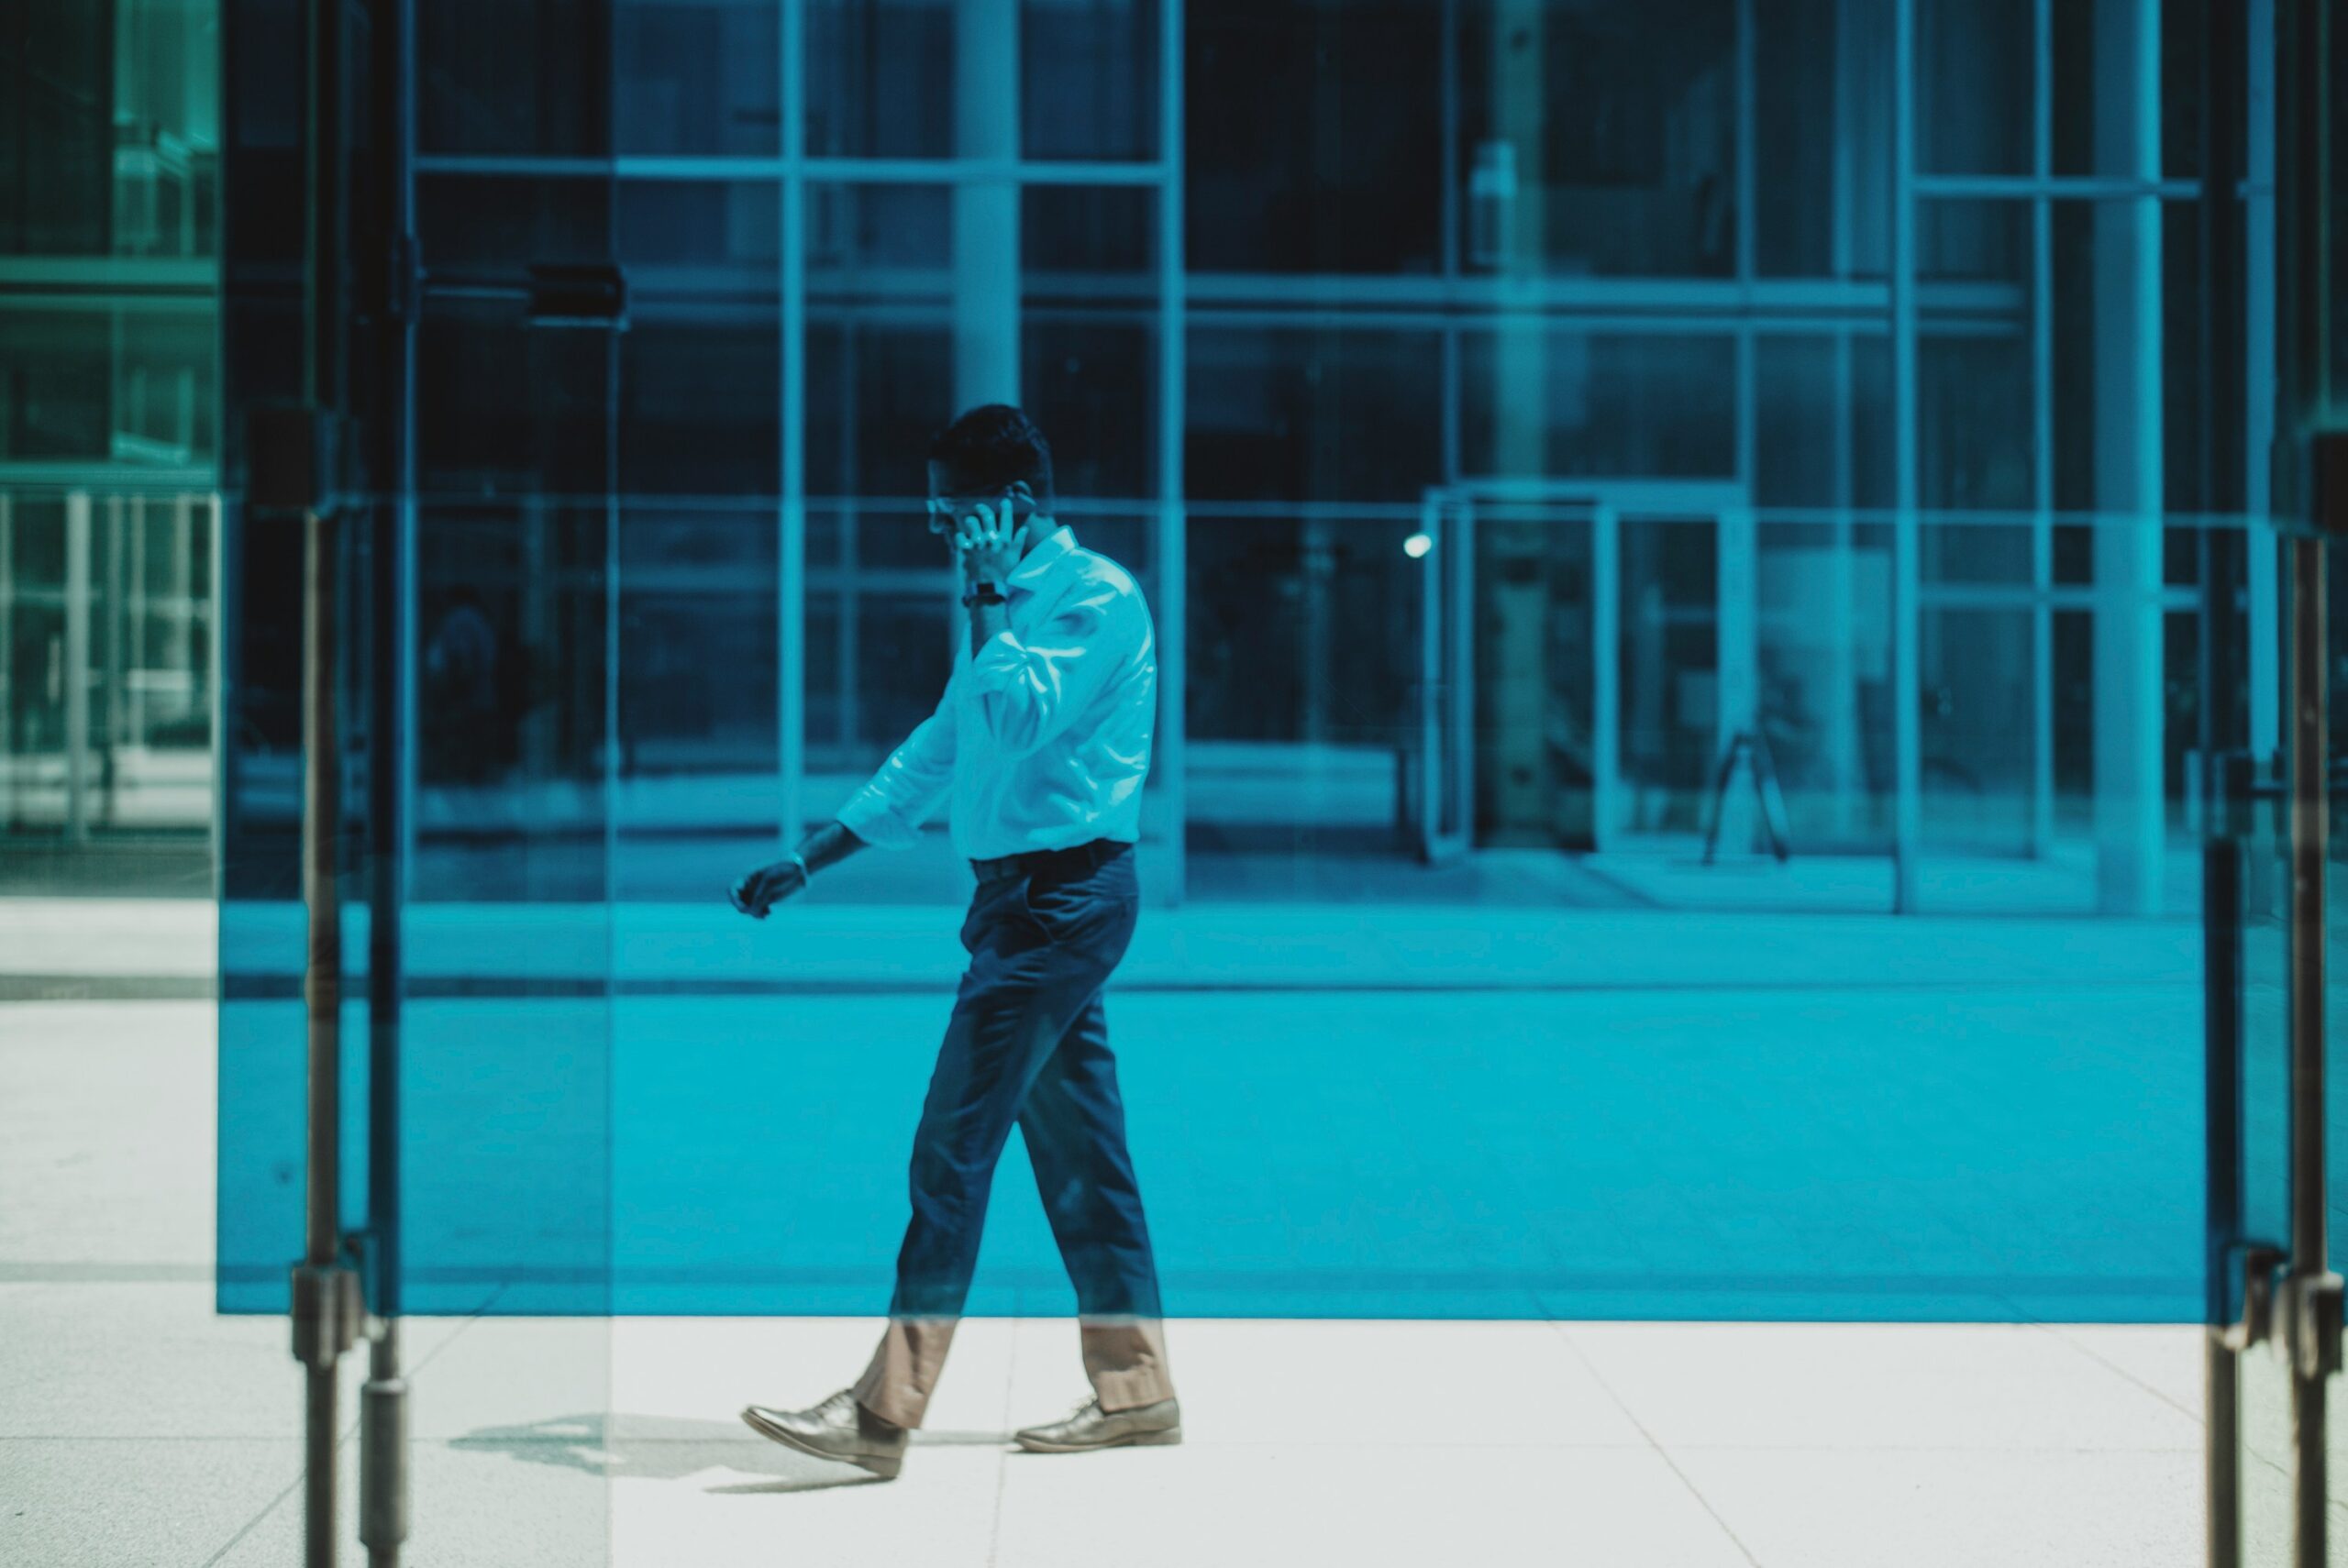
(671,1448)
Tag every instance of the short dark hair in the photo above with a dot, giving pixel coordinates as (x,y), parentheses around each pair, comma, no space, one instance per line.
(992,448)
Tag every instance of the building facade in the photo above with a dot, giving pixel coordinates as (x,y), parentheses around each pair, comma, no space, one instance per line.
(1551,433)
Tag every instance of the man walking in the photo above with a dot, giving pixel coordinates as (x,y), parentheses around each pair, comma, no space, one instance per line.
(1042,740)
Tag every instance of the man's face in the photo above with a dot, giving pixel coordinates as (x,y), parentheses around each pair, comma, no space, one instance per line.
(950,501)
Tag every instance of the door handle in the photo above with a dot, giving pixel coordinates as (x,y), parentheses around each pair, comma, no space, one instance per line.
(2261,1267)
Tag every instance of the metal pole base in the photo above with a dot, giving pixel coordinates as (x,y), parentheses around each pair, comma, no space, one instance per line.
(383,1451)
(326,1323)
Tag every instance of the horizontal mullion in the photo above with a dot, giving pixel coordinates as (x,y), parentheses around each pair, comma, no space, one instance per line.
(1999,596)
(2053,187)
(825,171)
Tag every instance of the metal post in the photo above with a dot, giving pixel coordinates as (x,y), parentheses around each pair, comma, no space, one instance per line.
(2224,69)
(1906,722)
(325,1301)
(2221,928)
(383,1424)
(2313,1292)
(322,992)
(77,668)
(2315,1315)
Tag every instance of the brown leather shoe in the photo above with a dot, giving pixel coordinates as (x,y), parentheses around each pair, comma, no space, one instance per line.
(1089,1426)
(837,1429)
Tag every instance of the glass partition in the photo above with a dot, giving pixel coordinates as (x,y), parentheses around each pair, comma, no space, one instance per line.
(1677,536)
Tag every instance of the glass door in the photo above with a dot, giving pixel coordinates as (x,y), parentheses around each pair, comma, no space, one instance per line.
(1574,692)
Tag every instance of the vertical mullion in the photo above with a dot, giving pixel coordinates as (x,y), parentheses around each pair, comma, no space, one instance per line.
(1173,641)
(1606,673)
(1842,725)
(1449,54)
(1745,118)
(2042,375)
(1907,810)
(1736,537)
(2261,581)
(791,554)
(77,667)
(1432,775)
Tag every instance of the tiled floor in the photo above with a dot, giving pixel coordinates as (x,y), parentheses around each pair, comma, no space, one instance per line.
(137,1427)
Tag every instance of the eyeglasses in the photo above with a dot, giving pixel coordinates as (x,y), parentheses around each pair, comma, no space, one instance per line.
(946,510)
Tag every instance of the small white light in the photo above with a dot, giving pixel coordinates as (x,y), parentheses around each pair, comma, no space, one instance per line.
(1417,545)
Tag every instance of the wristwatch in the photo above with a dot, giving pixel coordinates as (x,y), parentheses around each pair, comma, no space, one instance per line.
(982,594)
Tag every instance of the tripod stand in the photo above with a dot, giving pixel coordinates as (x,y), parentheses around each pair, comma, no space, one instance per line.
(1752,753)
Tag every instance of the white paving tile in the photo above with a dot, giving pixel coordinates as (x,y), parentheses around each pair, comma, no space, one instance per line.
(129,1361)
(2164,1357)
(107,1116)
(773,1506)
(714,1367)
(1861,1386)
(1407,1384)
(110,1503)
(471,1509)
(1357,1507)
(500,1376)
(1848,1507)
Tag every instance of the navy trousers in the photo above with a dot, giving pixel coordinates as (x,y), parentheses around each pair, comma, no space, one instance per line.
(1029,1043)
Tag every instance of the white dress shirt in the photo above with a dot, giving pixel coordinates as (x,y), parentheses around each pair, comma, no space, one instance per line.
(1043,737)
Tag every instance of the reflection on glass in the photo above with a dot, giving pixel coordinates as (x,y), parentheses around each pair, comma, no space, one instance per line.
(1302,638)
(1565,403)
(1670,675)
(887,78)
(1606,134)
(510,671)
(1263,404)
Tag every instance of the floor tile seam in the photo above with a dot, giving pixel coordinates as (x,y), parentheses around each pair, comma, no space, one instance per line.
(255,1522)
(2062,1332)
(1565,1333)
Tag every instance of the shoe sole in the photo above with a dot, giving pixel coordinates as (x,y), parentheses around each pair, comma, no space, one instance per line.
(884,1469)
(1169,1438)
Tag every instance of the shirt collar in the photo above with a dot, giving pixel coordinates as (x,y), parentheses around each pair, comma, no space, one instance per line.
(1038,562)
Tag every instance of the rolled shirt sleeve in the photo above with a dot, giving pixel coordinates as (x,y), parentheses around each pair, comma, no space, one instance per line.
(888,811)
(1024,692)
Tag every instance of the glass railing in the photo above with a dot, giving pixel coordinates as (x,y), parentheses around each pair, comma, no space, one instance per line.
(1792,1106)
